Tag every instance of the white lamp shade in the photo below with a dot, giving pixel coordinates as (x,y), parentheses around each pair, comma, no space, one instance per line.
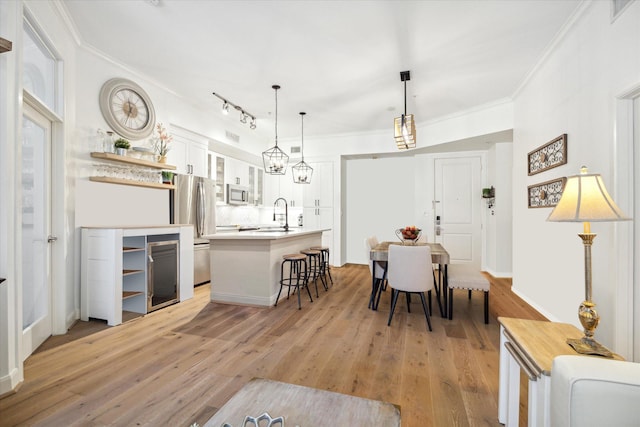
(585,199)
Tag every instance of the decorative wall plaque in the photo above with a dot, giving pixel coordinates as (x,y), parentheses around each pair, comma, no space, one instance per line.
(546,194)
(550,155)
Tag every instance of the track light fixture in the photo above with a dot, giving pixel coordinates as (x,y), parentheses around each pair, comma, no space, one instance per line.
(405,126)
(244,115)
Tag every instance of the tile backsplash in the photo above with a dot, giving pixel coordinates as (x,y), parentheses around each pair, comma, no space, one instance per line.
(250,215)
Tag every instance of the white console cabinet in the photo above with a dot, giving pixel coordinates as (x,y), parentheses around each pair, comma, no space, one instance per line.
(116,264)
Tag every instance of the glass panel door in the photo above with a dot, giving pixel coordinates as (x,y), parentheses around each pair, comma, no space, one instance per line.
(36,278)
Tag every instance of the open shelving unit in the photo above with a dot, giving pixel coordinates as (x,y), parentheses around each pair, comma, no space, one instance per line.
(134,278)
(136,162)
(118,263)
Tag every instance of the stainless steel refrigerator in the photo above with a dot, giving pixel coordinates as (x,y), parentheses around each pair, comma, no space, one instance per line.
(194,202)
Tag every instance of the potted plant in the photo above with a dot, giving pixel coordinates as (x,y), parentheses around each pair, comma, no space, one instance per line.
(122,145)
(167,177)
(161,142)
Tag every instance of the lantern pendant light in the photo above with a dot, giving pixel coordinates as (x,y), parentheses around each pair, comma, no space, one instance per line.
(301,171)
(275,160)
(405,126)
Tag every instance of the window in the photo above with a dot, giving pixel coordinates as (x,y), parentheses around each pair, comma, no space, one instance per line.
(40,69)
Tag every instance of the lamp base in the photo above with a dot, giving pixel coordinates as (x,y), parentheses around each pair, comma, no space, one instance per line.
(586,345)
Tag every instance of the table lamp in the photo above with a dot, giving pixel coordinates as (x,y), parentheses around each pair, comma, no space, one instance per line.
(585,199)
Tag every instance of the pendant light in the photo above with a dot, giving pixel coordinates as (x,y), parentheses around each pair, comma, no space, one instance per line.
(405,126)
(275,160)
(301,171)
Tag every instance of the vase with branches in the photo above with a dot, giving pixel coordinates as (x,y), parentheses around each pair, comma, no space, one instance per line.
(161,140)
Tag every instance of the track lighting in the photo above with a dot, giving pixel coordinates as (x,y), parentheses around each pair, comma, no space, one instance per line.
(244,115)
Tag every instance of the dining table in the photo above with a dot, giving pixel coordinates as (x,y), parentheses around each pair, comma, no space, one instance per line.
(439,255)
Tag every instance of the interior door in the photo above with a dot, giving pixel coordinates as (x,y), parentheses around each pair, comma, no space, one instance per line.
(36,226)
(457,204)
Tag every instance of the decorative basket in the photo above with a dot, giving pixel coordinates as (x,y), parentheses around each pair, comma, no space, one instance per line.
(408,236)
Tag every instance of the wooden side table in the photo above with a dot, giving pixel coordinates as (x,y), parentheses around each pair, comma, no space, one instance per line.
(530,345)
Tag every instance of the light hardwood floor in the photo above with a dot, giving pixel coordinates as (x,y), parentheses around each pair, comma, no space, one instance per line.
(178,365)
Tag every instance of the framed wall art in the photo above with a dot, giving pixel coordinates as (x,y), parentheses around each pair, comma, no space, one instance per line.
(545,194)
(548,156)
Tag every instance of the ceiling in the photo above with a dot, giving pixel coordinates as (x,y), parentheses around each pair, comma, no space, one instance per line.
(339,61)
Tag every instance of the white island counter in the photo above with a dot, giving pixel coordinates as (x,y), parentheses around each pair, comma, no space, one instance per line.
(245,265)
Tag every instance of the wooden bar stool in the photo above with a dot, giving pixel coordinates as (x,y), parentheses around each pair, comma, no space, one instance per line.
(326,269)
(461,276)
(314,267)
(297,278)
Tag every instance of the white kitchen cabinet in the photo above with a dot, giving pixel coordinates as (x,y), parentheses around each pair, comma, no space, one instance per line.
(256,185)
(259,192)
(189,156)
(271,188)
(236,172)
(217,166)
(114,272)
(319,193)
(283,186)
(294,193)
(320,218)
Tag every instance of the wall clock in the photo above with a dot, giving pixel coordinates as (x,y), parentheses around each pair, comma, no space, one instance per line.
(127,108)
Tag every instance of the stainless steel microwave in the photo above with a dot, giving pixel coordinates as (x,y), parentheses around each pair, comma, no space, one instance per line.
(237,194)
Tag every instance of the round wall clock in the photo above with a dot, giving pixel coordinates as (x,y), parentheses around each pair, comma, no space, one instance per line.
(127,108)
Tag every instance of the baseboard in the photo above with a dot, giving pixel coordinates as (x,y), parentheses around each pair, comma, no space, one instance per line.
(9,383)
(498,274)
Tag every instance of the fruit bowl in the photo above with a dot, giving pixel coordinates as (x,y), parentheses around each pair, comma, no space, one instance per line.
(409,234)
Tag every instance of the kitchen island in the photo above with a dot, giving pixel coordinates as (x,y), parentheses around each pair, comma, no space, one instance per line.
(245,265)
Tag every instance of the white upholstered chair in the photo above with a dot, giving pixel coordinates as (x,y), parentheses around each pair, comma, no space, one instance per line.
(410,271)
(593,391)
(377,273)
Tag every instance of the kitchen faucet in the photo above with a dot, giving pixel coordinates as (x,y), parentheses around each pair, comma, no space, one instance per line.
(286,212)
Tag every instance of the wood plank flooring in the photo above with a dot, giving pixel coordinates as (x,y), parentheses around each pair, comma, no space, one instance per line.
(178,365)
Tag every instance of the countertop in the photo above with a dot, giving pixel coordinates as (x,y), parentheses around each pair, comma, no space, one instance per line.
(264,234)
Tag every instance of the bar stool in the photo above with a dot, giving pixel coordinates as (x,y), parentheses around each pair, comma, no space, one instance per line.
(326,269)
(297,276)
(313,267)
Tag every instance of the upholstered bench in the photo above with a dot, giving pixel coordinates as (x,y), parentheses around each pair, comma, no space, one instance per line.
(468,277)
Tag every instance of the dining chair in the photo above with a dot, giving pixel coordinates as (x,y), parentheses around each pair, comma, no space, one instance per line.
(377,271)
(409,270)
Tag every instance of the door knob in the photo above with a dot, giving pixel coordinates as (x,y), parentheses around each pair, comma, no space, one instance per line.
(51,239)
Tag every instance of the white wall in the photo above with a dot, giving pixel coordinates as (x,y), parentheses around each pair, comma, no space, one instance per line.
(498,232)
(572,91)
(380,199)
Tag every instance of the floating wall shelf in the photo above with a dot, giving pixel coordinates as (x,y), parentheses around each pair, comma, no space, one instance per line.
(134,183)
(132,161)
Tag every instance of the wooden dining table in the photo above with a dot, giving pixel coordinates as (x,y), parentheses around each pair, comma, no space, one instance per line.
(439,255)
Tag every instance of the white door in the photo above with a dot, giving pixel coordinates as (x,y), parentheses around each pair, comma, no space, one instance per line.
(36,239)
(457,204)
